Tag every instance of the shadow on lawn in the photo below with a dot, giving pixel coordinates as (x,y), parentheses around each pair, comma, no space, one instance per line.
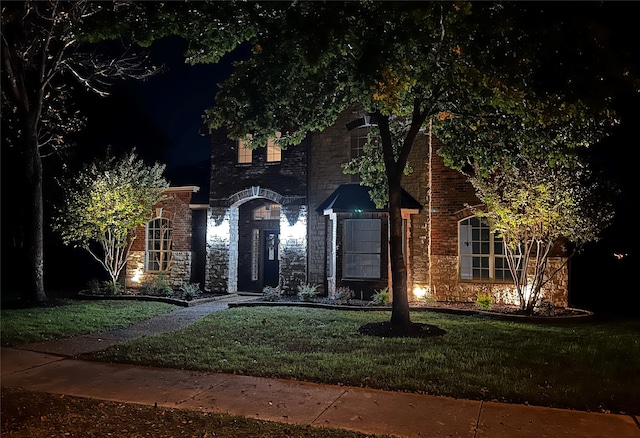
(388,330)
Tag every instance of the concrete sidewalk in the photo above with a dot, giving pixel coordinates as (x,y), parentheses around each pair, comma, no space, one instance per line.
(50,367)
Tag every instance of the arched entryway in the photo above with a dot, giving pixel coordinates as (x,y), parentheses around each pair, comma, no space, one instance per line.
(258,249)
(258,239)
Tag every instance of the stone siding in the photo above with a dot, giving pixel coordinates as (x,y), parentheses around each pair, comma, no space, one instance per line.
(447,286)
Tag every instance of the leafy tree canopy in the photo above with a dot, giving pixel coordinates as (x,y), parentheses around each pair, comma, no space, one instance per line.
(106,203)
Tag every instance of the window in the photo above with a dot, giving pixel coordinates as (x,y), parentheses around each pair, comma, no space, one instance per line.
(482,253)
(362,248)
(267,212)
(245,155)
(274,153)
(359,137)
(159,245)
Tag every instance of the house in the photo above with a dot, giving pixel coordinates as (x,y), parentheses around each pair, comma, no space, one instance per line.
(291,217)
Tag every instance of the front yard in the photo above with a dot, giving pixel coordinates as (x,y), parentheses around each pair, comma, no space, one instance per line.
(588,366)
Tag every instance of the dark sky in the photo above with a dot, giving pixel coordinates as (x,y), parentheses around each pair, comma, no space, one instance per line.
(161,116)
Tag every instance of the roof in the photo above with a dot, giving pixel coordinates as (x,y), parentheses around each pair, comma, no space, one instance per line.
(349,198)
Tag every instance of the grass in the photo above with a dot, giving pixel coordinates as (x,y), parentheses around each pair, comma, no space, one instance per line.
(72,317)
(588,366)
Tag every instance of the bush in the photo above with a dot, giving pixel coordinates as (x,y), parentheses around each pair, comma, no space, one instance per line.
(545,308)
(271,293)
(484,301)
(343,294)
(189,291)
(306,292)
(160,286)
(97,287)
(381,297)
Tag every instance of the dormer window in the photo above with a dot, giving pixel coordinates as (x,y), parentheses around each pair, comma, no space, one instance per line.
(360,129)
(274,153)
(245,155)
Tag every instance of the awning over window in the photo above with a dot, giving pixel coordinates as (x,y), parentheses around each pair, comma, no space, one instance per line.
(350,198)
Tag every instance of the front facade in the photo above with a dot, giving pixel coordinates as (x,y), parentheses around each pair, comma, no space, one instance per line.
(291,217)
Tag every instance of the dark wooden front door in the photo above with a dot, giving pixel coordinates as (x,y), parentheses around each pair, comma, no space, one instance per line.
(270,257)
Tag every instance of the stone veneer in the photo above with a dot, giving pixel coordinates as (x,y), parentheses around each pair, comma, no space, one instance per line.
(178,275)
(446,285)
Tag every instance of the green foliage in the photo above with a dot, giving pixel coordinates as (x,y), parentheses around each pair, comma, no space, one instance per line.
(344,294)
(189,291)
(105,204)
(271,293)
(484,301)
(381,297)
(160,285)
(306,292)
(97,287)
(532,205)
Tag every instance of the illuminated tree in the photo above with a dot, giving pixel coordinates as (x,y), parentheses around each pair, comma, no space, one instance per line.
(105,204)
(42,58)
(533,205)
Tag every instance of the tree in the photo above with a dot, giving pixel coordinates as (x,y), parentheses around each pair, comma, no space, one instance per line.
(42,57)
(533,205)
(403,62)
(106,203)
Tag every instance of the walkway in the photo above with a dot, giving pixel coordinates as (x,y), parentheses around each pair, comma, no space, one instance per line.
(50,367)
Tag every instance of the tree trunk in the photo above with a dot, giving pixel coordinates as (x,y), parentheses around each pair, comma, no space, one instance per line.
(400,305)
(34,291)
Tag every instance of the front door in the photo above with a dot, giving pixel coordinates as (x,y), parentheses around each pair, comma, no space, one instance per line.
(270,257)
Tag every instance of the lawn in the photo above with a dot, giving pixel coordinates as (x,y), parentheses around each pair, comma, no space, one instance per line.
(72,317)
(588,366)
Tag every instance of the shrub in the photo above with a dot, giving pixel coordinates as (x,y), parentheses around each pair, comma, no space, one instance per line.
(381,297)
(307,291)
(271,293)
(160,286)
(343,294)
(545,308)
(94,287)
(189,291)
(97,287)
(484,301)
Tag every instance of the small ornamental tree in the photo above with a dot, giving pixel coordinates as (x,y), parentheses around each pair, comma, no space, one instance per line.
(533,205)
(105,204)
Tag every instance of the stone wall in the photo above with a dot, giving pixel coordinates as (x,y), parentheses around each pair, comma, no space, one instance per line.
(293,248)
(446,285)
(218,239)
(179,274)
